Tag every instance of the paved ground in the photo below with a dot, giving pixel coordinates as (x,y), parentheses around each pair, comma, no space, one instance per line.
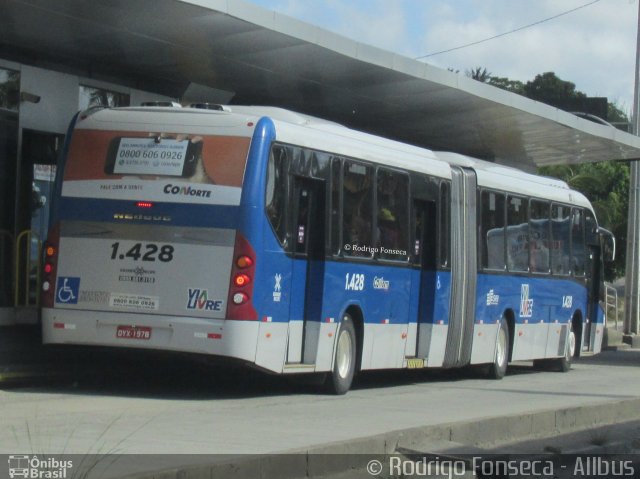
(98,403)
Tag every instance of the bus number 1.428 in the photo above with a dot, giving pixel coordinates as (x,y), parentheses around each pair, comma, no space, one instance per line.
(144,252)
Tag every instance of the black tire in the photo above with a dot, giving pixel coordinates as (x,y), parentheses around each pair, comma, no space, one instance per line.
(559,364)
(344,362)
(498,368)
(564,363)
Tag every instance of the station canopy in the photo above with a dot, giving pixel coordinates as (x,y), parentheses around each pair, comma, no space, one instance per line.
(231,51)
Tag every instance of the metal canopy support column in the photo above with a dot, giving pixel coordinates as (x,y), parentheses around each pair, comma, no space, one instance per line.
(632,286)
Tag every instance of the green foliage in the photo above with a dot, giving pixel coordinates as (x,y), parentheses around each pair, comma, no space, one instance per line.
(618,118)
(9,89)
(504,83)
(548,88)
(606,185)
(480,74)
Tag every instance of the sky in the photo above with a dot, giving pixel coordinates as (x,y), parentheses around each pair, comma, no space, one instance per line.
(593,47)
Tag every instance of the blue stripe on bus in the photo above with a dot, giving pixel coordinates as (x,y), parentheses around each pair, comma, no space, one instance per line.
(180,214)
(532,300)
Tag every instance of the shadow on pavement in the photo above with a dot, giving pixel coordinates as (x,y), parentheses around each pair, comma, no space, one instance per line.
(25,363)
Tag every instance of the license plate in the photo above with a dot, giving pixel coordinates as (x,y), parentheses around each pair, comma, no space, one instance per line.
(133,332)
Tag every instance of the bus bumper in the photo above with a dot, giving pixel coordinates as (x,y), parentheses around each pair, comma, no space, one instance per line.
(219,337)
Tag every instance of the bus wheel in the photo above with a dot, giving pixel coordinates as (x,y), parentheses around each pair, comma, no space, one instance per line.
(564,363)
(344,364)
(498,369)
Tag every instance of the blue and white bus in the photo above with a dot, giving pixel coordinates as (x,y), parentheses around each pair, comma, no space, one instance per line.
(297,245)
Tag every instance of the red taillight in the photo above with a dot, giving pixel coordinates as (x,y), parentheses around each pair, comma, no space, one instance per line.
(239,305)
(244,262)
(49,268)
(241,280)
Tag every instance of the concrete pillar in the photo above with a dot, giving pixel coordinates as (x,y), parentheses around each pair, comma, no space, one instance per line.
(632,286)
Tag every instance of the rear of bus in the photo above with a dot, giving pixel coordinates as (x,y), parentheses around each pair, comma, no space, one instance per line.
(146,248)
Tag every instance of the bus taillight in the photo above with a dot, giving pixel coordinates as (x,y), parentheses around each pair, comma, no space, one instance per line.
(244,262)
(239,305)
(241,280)
(49,269)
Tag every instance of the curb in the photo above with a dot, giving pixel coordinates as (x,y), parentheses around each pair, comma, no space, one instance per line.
(339,457)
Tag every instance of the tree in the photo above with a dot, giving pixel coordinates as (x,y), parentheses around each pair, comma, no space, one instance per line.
(550,89)
(480,74)
(9,89)
(514,86)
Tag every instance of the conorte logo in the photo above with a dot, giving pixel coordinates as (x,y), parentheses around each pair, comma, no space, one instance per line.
(34,468)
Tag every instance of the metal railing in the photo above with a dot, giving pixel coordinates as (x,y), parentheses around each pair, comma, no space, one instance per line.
(27,269)
(611,303)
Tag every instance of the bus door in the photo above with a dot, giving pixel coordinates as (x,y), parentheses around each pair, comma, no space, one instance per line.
(307,282)
(594,284)
(464,266)
(425,228)
(594,277)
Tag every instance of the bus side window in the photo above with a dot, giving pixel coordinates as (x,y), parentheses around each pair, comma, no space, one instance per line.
(336,213)
(444,221)
(539,237)
(357,218)
(560,240)
(277,192)
(392,215)
(492,230)
(517,234)
(578,248)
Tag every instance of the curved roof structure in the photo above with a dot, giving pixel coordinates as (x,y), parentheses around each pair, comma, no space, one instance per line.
(231,50)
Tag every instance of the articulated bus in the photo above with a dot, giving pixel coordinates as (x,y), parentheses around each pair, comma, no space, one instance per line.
(296,245)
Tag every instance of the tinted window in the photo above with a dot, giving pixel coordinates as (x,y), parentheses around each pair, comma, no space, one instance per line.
(392,215)
(276,192)
(560,239)
(578,250)
(445,224)
(517,234)
(539,235)
(336,174)
(492,230)
(357,226)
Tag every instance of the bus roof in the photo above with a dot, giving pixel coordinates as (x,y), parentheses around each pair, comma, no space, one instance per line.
(316,133)
(491,175)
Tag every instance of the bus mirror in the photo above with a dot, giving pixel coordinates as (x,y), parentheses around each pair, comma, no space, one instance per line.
(608,245)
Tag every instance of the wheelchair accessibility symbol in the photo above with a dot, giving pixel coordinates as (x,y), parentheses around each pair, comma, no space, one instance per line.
(67,290)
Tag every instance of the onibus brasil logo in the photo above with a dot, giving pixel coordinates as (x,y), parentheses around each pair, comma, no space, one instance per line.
(35,468)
